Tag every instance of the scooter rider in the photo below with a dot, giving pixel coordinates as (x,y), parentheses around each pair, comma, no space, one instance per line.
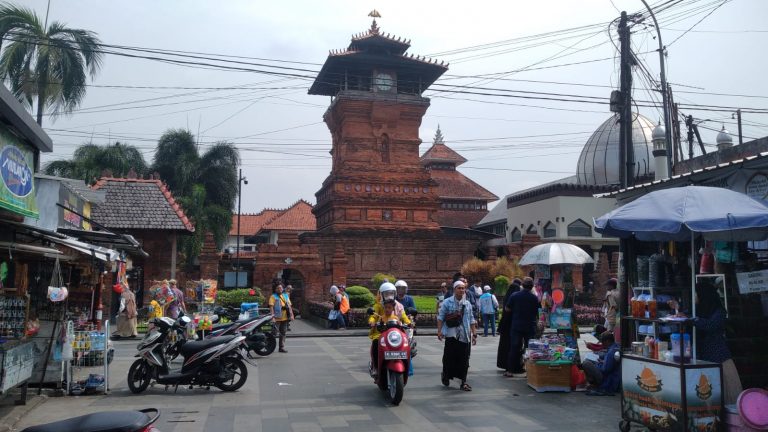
(402,295)
(387,292)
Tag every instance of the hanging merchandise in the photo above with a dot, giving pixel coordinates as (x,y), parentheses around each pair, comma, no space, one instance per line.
(56,290)
(67,352)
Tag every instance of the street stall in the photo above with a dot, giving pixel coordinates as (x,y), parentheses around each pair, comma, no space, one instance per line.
(664,385)
(550,359)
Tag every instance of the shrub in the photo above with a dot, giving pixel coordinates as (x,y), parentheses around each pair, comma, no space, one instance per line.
(476,268)
(380,278)
(233,298)
(507,267)
(360,297)
(500,284)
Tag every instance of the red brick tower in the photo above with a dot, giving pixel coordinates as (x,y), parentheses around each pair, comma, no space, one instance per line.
(376,181)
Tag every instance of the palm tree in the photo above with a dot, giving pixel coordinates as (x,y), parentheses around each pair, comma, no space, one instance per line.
(206,184)
(46,64)
(90,160)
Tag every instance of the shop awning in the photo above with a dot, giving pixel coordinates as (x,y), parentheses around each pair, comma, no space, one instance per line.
(102,253)
(42,250)
(107,239)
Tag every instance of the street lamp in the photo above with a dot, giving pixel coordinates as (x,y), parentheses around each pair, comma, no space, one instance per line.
(240,182)
(664,89)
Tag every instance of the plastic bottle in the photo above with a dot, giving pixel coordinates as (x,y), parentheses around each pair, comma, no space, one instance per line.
(687,352)
(652,308)
(674,346)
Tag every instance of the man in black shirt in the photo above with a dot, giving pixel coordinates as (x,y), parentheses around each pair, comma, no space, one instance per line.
(523,309)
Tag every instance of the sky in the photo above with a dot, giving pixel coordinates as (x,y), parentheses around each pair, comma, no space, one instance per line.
(522,64)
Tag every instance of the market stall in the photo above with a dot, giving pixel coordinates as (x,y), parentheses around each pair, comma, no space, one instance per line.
(551,358)
(664,385)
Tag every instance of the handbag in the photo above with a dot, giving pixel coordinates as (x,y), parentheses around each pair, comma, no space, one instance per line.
(333,314)
(453,319)
(56,290)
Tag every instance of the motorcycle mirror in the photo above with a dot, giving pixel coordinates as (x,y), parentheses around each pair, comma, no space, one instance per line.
(185,319)
(370,311)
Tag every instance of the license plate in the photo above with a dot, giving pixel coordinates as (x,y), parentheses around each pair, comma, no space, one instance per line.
(395,355)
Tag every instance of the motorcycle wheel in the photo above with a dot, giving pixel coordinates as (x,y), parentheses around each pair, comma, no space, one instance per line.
(139,376)
(269,347)
(237,368)
(395,381)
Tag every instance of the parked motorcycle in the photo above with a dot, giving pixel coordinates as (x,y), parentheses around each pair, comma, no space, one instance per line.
(391,371)
(258,341)
(218,361)
(106,421)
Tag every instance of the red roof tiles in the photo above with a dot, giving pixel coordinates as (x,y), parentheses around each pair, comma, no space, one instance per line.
(455,185)
(297,217)
(250,224)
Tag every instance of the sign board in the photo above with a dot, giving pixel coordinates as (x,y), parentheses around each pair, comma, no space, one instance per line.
(74,206)
(17,175)
(752,282)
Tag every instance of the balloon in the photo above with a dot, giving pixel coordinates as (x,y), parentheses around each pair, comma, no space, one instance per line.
(558,296)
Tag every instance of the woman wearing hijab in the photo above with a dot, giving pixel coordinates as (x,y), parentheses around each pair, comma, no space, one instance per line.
(710,344)
(456,324)
(502,354)
(126,317)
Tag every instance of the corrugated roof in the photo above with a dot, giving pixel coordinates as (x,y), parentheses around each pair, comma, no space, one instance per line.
(139,204)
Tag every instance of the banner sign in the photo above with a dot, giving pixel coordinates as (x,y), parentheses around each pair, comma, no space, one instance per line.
(73,207)
(752,282)
(17,176)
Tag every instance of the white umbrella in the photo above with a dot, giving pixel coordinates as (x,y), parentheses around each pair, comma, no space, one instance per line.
(555,253)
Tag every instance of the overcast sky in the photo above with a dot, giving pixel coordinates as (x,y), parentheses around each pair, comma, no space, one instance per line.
(512,143)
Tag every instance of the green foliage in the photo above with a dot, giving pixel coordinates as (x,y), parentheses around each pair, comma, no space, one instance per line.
(47,65)
(206,185)
(500,284)
(233,298)
(380,278)
(360,297)
(90,160)
(426,304)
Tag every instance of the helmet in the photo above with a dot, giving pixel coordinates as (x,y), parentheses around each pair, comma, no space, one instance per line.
(401,284)
(387,291)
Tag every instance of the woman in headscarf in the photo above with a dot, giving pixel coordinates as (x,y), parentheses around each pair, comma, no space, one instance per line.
(126,317)
(503,352)
(458,327)
(711,345)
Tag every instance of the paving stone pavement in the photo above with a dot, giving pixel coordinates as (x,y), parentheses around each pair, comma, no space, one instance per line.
(322,384)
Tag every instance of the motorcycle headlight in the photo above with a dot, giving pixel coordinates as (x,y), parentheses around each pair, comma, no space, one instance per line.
(395,339)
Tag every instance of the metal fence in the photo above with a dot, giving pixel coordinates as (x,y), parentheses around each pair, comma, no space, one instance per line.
(87,372)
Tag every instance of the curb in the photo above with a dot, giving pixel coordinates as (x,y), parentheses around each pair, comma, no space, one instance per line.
(9,421)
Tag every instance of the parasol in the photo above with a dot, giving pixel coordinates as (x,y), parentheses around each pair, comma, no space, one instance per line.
(555,253)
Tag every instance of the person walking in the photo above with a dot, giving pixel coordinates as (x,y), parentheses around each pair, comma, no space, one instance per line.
(177,304)
(502,354)
(336,316)
(127,314)
(442,295)
(488,307)
(344,306)
(611,304)
(523,307)
(282,313)
(288,291)
(457,325)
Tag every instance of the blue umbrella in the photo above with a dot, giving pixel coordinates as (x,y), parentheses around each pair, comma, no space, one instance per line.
(678,213)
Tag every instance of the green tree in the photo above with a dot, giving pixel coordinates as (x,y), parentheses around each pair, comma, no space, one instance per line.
(205,184)
(90,160)
(46,65)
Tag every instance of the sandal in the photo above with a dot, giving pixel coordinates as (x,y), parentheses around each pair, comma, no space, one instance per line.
(444,380)
(508,375)
(465,387)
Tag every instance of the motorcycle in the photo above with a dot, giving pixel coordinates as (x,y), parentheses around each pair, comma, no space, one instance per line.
(391,371)
(218,362)
(258,341)
(107,421)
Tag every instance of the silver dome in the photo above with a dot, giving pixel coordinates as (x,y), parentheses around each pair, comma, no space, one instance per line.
(599,159)
(724,138)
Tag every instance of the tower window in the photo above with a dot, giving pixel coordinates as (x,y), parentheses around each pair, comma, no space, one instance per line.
(532,229)
(516,235)
(550,230)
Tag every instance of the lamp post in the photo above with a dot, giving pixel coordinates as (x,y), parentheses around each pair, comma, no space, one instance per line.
(240,181)
(664,89)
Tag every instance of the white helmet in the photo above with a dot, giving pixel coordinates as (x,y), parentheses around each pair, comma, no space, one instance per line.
(401,283)
(387,291)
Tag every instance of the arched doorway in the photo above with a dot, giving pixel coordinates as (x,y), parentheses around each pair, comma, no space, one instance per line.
(293,277)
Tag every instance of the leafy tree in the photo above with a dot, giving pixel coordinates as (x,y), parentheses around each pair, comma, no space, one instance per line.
(47,65)
(90,160)
(205,184)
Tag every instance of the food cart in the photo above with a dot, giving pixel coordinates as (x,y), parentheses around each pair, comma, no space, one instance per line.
(679,393)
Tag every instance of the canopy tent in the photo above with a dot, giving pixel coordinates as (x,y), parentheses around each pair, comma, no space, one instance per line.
(678,213)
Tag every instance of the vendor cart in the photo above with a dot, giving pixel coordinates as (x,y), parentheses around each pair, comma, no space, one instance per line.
(682,393)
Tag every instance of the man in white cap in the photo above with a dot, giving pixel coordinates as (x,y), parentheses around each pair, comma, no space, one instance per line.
(488,305)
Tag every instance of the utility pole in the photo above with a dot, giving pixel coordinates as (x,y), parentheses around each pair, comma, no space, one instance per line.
(738,119)
(626,148)
(239,205)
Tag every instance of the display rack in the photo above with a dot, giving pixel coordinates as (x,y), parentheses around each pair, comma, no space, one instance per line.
(14,311)
(88,370)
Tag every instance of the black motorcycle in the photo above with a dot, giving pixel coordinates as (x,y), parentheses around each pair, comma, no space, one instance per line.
(259,341)
(218,362)
(106,421)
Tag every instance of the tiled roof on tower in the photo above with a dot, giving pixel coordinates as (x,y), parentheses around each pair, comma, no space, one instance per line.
(441,153)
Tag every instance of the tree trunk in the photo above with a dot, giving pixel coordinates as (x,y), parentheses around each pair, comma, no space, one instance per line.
(40,102)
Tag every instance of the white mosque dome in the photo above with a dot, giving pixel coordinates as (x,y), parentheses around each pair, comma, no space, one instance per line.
(599,159)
